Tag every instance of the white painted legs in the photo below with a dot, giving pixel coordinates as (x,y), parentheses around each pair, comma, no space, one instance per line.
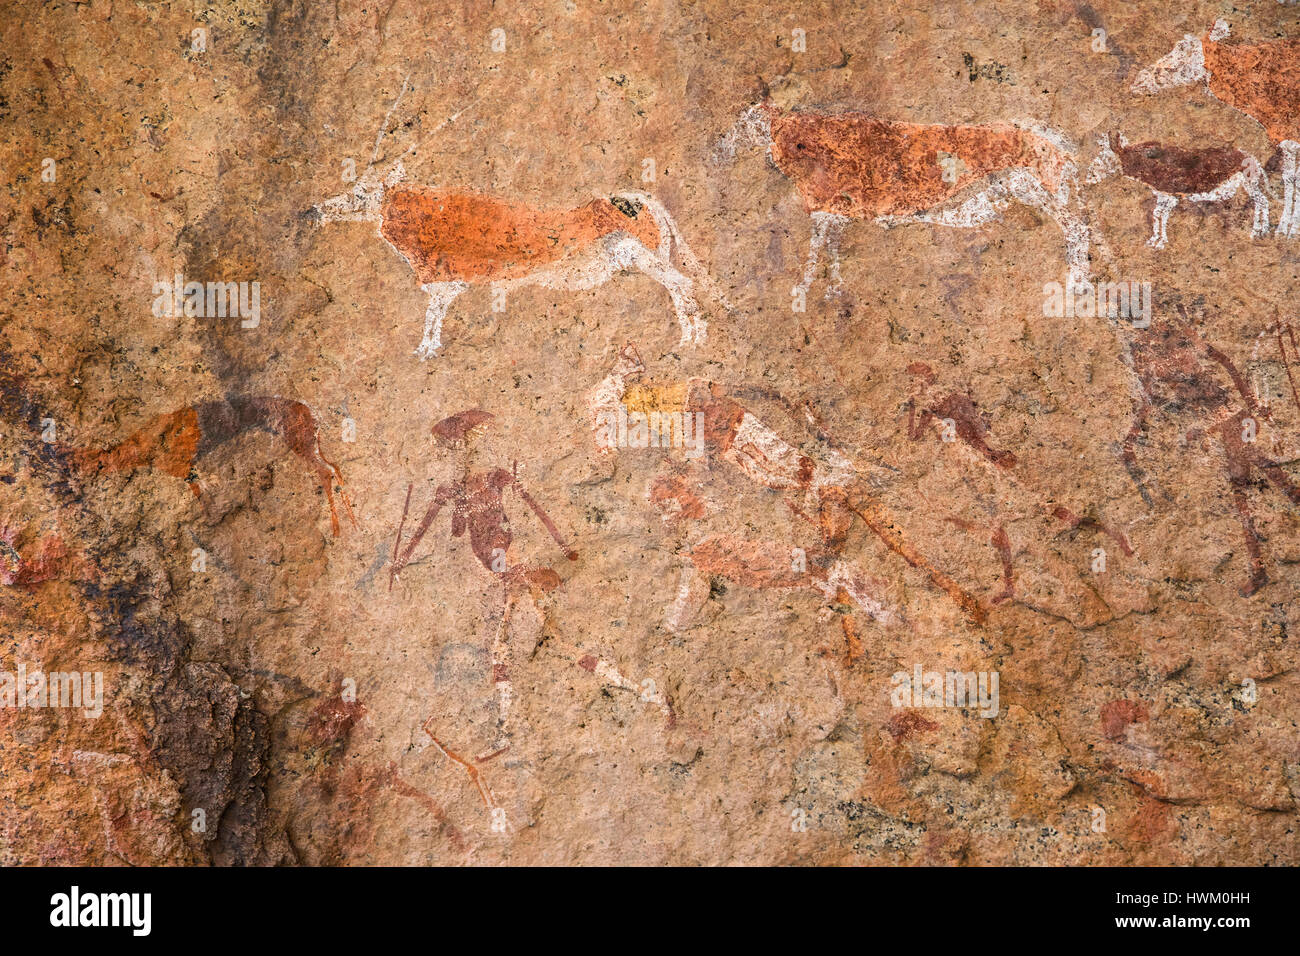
(1251,179)
(692,592)
(610,258)
(1288,223)
(629,253)
(1160,220)
(1026,189)
(441,296)
(827,228)
(1256,187)
(1022,186)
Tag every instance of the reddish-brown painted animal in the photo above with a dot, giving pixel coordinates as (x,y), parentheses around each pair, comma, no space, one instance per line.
(173,443)
(1261,80)
(853,165)
(456,238)
(1199,174)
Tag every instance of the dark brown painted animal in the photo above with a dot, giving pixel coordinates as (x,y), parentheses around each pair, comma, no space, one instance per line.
(1200,174)
(1261,80)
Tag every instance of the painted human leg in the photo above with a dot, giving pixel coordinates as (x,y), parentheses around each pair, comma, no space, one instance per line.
(468,766)
(1258,576)
(846,576)
(1287,224)
(1256,186)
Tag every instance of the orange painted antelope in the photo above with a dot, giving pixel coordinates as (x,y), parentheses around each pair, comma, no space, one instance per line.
(453,239)
(173,443)
(852,165)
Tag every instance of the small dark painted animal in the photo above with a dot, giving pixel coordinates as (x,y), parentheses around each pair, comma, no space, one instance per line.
(1202,174)
(1259,79)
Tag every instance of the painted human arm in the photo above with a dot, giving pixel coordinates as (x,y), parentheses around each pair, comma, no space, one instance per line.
(440,498)
(569,553)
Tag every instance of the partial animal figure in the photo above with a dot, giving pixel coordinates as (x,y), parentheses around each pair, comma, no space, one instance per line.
(829,487)
(853,165)
(1261,80)
(173,443)
(26,559)
(1201,174)
(453,239)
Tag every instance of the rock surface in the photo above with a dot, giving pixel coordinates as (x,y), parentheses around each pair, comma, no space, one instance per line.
(594,652)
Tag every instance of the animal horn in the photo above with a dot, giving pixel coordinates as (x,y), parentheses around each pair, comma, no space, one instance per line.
(383,127)
(447,122)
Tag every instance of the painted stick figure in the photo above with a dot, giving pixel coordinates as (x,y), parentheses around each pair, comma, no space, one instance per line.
(477,503)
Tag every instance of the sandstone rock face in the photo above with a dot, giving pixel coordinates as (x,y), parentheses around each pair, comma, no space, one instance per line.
(661,433)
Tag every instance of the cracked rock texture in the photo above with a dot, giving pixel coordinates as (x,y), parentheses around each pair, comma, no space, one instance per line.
(603,653)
